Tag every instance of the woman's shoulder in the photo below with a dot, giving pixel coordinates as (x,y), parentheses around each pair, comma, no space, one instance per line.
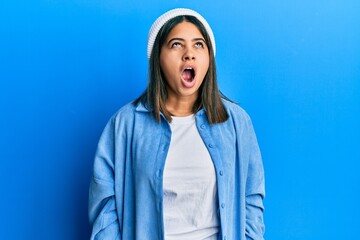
(235,110)
(127,111)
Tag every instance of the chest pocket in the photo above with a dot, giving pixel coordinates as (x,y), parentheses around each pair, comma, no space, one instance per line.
(220,140)
(149,148)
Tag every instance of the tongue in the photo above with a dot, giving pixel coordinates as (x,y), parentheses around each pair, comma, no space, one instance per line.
(187,75)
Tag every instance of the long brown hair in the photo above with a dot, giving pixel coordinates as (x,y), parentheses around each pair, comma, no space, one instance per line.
(210,98)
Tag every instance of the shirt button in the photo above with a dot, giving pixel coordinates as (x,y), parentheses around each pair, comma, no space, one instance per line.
(221,173)
(211,145)
(202,126)
(222,205)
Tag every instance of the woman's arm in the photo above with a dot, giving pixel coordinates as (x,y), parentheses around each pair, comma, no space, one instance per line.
(255,186)
(102,206)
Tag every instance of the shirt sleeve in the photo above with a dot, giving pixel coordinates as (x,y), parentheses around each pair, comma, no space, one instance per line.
(102,206)
(255,186)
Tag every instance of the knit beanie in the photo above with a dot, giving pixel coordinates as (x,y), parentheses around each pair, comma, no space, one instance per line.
(155,28)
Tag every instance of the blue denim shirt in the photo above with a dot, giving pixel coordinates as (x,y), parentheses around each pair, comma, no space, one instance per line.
(126,190)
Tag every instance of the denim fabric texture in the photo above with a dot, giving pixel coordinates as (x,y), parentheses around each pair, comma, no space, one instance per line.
(126,194)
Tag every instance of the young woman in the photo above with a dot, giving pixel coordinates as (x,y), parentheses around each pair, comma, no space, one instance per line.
(181,161)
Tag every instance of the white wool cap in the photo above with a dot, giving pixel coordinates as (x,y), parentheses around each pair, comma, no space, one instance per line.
(155,28)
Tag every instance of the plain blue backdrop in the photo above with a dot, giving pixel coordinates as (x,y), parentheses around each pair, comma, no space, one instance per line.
(67,65)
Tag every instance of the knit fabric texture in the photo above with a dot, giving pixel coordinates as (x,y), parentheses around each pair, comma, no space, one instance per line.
(160,21)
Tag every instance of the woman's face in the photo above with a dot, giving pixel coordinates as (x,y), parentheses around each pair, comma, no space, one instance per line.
(184,61)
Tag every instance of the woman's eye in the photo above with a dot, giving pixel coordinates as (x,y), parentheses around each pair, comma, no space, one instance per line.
(176,44)
(199,44)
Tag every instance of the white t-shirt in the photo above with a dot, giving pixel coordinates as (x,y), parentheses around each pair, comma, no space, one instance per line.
(190,190)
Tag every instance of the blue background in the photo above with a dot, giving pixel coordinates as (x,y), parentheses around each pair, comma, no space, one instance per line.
(67,66)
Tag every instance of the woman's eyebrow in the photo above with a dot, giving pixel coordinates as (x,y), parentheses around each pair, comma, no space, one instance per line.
(183,40)
(176,39)
(199,39)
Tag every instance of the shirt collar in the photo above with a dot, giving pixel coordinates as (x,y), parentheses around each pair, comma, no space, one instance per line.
(142,108)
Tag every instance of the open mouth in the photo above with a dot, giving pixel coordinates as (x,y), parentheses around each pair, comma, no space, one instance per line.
(188,74)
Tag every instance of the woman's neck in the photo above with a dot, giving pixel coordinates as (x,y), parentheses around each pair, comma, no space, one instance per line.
(180,107)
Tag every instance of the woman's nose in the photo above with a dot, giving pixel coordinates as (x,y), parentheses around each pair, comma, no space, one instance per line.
(188,54)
